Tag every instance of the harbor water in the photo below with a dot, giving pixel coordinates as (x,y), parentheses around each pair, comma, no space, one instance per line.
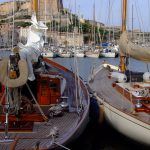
(100,136)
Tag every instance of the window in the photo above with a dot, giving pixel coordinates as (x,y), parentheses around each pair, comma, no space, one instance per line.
(53,86)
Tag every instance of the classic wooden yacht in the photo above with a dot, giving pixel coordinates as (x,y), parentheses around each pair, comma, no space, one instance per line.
(124,94)
(43,105)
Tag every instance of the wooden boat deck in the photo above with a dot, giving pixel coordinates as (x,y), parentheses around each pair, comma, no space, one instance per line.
(41,131)
(102,85)
(69,126)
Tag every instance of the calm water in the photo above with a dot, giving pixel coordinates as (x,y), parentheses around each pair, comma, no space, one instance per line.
(85,65)
(100,136)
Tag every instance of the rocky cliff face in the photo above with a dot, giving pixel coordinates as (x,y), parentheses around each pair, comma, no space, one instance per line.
(24,7)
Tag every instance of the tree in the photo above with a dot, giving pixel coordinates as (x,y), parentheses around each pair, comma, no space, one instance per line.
(22,24)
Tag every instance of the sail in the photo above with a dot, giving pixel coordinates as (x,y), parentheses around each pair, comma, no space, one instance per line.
(132,50)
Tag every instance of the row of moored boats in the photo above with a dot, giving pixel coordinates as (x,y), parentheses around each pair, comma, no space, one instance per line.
(53,51)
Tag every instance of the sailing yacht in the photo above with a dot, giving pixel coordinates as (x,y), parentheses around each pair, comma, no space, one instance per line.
(124,95)
(108,52)
(48,53)
(43,105)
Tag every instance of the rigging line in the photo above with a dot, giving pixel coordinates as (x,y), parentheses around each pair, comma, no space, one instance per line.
(13,23)
(149,9)
(41,111)
(139,20)
(62,146)
(76,97)
(67,24)
(76,66)
(78,82)
(140,15)
(101,37)
(110,6)
(142,24)
(4,94)
(137,14)
(78,75)
(45,22)
(147,67)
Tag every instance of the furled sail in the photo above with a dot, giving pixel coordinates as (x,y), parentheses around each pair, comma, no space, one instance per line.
(132,50)
(32,49)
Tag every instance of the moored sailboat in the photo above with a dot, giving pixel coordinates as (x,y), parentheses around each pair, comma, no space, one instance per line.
(124,94)
(41,105)
(108,53)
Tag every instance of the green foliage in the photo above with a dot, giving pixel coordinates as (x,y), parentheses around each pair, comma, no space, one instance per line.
(53,25)
(23,17)
(2,21)
(22,24)
(86,28)
(75,20)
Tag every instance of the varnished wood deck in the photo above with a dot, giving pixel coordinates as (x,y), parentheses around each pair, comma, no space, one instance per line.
(102,85)
(70,125)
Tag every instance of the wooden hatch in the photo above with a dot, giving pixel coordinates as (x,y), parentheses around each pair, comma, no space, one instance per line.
(48,89)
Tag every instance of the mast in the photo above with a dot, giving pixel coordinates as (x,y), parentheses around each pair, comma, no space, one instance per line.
(35,6)
(132,21)
(124,14)
(94,24)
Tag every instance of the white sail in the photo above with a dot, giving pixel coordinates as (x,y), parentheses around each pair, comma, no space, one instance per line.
(132,50)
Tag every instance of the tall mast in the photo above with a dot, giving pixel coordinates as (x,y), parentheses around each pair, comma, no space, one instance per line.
(94,23)
(35,6)
(132,22)
(124,16)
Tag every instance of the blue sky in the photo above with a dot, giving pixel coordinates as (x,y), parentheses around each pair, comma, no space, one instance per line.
(112,16)
(109,12)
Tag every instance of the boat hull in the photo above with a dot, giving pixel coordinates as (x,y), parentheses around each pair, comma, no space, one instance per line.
(92,55)
(118,110)
(70,125)
(127,125)
(79,55)
(48,54)
(108,55)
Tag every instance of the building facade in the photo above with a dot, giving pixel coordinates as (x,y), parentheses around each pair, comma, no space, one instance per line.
(46,8)
(8,36)
(57,38)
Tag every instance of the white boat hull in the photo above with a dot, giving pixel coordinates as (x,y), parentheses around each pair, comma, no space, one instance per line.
(109,54)
(126,124)
(48,54)
(92,55)
(79,55)
(65,55)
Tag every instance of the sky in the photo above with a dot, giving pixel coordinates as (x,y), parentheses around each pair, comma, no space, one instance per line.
(109,11)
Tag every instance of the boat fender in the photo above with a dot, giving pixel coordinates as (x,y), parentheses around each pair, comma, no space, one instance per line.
(101,114)
(120,77)
(21,80)
(94,110)
(146,76)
